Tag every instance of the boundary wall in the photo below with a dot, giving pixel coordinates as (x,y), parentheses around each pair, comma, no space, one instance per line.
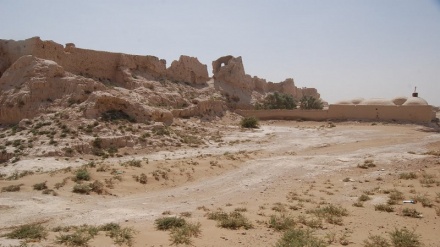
(410,113)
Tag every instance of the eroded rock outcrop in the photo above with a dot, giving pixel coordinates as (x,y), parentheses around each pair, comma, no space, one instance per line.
(188,69)
(202,108)
(101,102)
(31,85)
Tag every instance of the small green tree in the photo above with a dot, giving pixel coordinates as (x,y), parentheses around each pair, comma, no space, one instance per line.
(310,102)
(277,101)
(249,122)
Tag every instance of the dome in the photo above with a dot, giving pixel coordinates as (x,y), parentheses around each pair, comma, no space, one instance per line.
(399,100)
(377,101)
(344,102)
(357,101)
(415,101)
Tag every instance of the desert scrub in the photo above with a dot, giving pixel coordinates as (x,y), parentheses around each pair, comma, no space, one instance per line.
(40,186)
(299,238)
(183,234)
(313,222)
(411,212)
(405,238)
(166,223)
(134,163)
(394,196)
(407,175)
(428,180)
(122,236)
(29,232)
(376,241)
(367,164)
(331,213)
(364,198)
(424,199)
(12,188)
(82,175)
(249,122)
(82,189)
(384,208)
(279,207)
(141,178)
(75,239)
(109,227)
(234,221)
(181,231)
(82,235)
(281,223)
(97,187)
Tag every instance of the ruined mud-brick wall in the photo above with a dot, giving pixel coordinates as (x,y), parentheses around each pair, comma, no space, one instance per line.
(230,70)
(99,65)
(408,113)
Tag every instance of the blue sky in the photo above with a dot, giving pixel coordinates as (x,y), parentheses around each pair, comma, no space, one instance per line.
(344,48)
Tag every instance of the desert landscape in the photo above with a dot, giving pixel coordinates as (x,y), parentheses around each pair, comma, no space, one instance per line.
(110,149)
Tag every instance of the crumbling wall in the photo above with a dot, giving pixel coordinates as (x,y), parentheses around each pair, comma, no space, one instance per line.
(99,65)
(229,75)
(188,69)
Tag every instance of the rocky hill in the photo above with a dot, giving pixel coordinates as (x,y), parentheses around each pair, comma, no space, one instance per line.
(71,100)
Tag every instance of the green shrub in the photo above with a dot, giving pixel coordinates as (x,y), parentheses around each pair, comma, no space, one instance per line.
(299,238)
(28,232)
(405,238)
(249,122)
(82,175)
(277,101)
(167,223)
(310,102)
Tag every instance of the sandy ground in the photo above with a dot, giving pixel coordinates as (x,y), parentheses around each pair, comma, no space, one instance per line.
(254,170)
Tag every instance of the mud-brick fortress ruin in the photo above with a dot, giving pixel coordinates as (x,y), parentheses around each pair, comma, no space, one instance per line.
(38,77)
